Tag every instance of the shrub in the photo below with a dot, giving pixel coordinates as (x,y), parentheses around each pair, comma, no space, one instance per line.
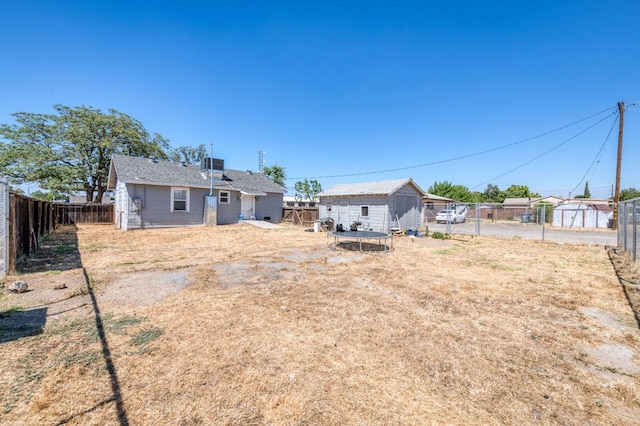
(441,236)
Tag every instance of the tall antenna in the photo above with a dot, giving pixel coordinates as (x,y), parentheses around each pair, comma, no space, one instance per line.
(261,154)
(211,172)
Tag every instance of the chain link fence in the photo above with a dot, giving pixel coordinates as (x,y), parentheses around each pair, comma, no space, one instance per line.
(576,223)
(628,218)
(4,227)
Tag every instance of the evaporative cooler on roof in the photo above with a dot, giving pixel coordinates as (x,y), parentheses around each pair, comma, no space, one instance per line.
(215,164)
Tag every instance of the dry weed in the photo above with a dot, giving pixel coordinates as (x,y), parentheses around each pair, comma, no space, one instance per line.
(278,329)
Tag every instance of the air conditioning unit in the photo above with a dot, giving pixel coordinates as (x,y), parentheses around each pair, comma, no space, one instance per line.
(215,164)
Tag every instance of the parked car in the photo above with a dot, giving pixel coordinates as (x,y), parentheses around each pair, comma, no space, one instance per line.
(451,216)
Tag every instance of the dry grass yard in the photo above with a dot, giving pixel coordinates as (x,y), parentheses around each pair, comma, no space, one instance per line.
(241,325)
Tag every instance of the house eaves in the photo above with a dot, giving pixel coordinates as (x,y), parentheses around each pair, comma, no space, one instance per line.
(137,170)
(380,188)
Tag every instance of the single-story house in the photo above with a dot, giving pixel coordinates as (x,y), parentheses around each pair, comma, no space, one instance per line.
(582,215)
(158,193)
(519,203)
(524,203)
(288,201)
(378,206)
(82,199)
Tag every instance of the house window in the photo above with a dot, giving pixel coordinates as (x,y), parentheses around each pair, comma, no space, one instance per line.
(224,197)
(328,207)
(179,199)
(429,205)
(364,211)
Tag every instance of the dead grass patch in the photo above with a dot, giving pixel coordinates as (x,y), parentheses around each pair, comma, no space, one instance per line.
(275,328)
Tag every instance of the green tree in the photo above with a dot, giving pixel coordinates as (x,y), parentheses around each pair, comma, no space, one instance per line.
(449,190)
(478,196)
(548,211)
(276,173)
(71,150)
(307,189)
(587,193)
(493,194)
(49,195)
(519,191)
(629,194)
(188,154)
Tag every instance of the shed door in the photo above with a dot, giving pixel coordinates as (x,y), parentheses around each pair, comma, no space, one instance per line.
(573,218)
(407,211)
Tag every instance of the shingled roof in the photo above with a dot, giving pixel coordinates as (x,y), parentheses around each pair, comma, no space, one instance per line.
(385,187)
(147,171)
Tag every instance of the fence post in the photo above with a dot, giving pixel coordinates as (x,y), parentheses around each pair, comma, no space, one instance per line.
(4,226)
(622,234)
(14,235)
(635,230)
(477,218)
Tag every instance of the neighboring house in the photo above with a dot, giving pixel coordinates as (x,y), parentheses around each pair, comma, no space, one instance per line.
(157,193)
(296,202)
(592,201)
(378,206)
(82,199)
(433,204)
(582,215)
(518,203)
(524,203)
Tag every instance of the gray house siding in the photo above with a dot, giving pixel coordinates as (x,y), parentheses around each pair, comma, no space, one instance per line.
(346,210)
(269,207)
(228,213)
(401,209)
(149,206)
(407,206)
(144,193)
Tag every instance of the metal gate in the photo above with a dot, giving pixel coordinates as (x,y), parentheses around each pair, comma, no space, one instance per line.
(4,227)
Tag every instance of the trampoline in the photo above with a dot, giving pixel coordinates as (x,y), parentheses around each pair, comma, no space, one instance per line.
(362,240)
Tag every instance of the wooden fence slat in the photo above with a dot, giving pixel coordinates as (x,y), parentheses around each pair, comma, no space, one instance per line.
(67,214)
(302,216)
(30,220)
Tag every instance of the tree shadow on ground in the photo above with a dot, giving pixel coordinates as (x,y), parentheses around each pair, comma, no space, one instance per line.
(59,252)
(628,277)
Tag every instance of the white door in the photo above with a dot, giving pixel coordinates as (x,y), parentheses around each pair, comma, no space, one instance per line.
(247,206)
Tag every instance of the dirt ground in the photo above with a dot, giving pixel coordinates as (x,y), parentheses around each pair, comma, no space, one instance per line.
(241,325)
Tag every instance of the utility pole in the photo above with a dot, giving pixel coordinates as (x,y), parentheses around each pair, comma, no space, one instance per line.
(616,195)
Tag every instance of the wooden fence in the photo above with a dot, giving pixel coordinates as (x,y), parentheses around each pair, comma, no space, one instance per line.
(67,214)
(30,220)
(304,216)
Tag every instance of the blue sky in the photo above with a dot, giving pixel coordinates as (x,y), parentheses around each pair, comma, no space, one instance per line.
(344,91)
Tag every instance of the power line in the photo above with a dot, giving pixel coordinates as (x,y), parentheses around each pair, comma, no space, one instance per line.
(596,160)
(543,154)
(467,155)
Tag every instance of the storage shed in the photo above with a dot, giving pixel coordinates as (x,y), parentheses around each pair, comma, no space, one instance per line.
(378,206)
(582,215)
